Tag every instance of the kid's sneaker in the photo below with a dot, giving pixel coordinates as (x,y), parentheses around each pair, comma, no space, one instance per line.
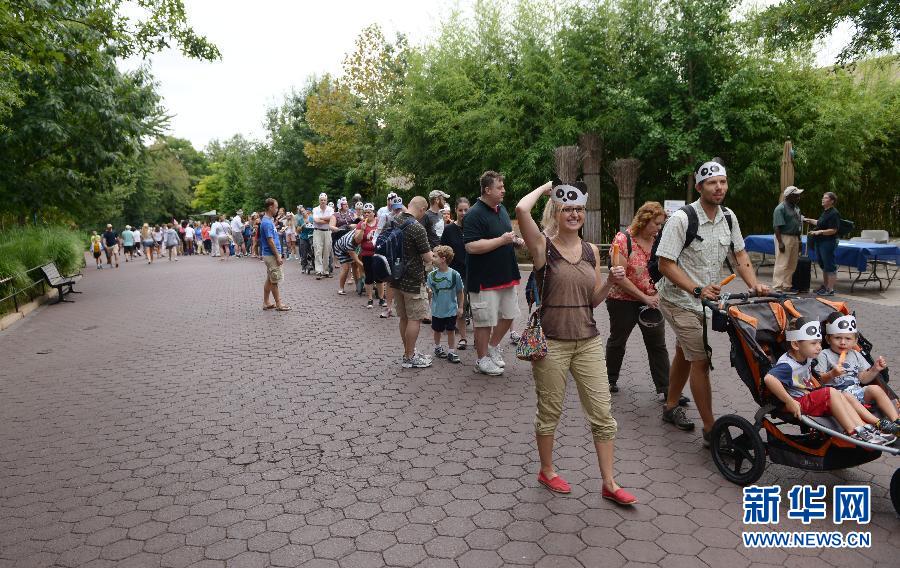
(887,427)
(868,435)
(452,357)
(440,352)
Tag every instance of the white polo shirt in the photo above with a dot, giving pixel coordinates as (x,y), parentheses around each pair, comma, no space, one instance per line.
(318,214)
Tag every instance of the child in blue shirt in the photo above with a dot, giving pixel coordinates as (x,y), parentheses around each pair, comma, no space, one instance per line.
(791,381)
(445,288)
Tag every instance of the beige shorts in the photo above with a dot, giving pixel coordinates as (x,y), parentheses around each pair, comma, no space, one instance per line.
(688,328)
(411,306)
(273,271)
(489,306)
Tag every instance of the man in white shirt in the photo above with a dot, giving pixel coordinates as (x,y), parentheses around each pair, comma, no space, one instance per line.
(137,240)
(237,228)
(216,232)
(323,215)
(384,215)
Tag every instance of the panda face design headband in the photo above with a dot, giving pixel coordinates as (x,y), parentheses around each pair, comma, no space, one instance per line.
(844,324)
(708,170)
(810,331)
(569,194)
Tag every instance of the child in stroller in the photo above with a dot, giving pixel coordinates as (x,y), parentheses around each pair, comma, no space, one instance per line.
(854,373)
(792,382)
(758,329)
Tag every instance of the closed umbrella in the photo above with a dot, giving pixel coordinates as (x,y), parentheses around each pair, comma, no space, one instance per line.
(787,167)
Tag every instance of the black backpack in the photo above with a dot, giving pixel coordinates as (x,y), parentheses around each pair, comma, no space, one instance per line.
(689,237)
(388,264)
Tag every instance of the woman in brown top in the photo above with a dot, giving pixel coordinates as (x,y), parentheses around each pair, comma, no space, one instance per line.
(570,287)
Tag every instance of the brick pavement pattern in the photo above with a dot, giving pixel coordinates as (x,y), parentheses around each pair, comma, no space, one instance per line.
(165,420)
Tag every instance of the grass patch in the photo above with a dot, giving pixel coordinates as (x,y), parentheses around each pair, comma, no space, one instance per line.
(23,248)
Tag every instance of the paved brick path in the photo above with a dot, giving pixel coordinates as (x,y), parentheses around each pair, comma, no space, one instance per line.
(165,420)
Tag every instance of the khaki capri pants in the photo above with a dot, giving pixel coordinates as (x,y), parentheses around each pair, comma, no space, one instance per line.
(584,359)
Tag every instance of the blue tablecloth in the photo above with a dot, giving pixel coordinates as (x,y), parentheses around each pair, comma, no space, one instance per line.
(855,254)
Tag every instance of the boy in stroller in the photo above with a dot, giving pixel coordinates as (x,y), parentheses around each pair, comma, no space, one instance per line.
(856,374)
(792,382)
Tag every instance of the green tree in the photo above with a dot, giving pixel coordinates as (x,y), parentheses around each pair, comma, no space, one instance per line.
(70,122)
(875,24)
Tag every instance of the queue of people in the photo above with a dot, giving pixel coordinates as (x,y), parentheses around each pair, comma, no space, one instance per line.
(427,263)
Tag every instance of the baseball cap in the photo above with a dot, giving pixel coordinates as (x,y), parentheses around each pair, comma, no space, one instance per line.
(438,193)
(792,190)
(397,202)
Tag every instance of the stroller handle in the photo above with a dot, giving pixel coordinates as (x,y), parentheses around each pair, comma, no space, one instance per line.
(719,305)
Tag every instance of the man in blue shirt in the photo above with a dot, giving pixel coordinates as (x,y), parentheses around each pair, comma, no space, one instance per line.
(270,248)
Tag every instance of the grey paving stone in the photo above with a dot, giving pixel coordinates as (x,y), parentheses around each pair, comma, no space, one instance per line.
(119,458)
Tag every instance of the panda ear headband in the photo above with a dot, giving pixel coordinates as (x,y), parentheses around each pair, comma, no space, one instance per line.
(811,330)
(569,193)
(708,170)
(844,324)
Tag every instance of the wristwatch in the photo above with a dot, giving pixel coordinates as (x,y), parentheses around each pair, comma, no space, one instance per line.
(698,291)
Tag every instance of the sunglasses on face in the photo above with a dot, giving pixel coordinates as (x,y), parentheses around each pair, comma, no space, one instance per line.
(570,210)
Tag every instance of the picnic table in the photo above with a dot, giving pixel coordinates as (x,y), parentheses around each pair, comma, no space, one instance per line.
(863,256)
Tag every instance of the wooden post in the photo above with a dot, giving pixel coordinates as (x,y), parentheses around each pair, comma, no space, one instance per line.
(592,153)
(625,172)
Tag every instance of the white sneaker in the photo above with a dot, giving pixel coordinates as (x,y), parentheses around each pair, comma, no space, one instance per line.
(417,361)
(486,366)
(514,337)
(496,355)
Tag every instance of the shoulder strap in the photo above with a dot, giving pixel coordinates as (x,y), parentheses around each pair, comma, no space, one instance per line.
(692,227)
(587,253)
(628,242)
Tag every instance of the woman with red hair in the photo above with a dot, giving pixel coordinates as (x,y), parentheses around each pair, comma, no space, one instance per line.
(634,301)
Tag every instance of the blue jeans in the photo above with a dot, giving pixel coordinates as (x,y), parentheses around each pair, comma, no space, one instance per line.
(825,254)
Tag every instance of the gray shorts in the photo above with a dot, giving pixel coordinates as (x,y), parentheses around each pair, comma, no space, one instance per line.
(238,239)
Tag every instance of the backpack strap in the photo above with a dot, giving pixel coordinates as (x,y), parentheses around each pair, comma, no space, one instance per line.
(628,242)
(693,225)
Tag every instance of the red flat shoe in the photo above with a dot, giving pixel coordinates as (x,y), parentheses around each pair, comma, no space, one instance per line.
(619,496)
(557,484)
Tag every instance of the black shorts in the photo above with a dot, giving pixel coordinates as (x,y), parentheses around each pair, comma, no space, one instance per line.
(129,248)
(368,269)
(97,254)
(443,324)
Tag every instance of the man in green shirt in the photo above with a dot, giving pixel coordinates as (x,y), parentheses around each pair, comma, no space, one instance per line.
(787,222)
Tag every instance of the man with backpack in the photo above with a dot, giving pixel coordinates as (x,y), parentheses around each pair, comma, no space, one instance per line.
(402,252)
(691,249)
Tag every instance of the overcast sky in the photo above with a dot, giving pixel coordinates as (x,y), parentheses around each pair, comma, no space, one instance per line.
(271,46)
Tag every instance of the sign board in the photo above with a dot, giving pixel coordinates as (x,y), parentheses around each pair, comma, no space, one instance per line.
(672,205)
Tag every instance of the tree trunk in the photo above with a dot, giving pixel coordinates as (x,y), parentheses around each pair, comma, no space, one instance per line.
(625,172)
(592,152)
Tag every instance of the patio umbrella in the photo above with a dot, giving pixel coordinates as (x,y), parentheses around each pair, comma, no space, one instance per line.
(211,213)
(787,167)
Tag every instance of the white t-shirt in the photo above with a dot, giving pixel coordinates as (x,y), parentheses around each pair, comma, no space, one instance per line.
(236,224)
(137,235)
(189,233)
(318,214)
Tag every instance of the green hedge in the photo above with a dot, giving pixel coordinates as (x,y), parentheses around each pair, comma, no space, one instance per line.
(22,248)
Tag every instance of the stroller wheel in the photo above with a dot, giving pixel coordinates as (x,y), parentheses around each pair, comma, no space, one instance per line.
(895,491)
(737,449)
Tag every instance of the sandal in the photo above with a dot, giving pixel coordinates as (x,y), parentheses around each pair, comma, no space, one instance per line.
(269,307)
(283,309)
(462,344)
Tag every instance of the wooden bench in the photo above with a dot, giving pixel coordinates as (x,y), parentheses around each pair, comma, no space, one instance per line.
(63,284)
